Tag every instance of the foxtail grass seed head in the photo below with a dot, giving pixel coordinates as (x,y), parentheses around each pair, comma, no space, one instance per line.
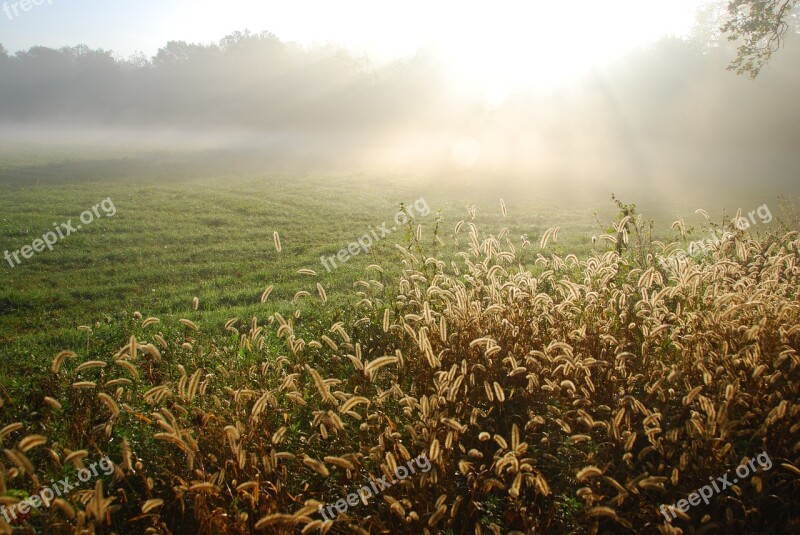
(518,376)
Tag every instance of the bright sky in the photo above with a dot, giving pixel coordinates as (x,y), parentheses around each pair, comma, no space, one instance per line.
(481,41)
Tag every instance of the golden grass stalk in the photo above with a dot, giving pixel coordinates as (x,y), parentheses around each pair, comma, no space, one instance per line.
(150,321)
(190,324)
(59,359)
(30,442)
(10,428)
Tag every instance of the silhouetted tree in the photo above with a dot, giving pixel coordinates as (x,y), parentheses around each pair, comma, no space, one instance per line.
(760,26)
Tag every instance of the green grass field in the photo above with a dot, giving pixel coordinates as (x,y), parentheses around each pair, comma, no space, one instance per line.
(205,233)
(185,227)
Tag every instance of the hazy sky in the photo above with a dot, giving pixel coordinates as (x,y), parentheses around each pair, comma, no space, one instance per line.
(555,38)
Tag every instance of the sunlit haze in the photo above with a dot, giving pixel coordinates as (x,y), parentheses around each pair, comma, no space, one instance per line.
(632,91)
(495,46)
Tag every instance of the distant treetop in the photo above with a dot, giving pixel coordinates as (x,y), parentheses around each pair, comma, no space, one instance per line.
(761,27)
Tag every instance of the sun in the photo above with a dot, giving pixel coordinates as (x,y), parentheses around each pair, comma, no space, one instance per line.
(510,45)
(493,48)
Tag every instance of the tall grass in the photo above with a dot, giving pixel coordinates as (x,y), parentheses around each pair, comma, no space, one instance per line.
(556,395)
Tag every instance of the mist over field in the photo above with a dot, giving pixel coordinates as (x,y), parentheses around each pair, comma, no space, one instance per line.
(665,116)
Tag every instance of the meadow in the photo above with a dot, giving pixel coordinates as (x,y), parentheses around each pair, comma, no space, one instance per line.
(556,384)
(185,228)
